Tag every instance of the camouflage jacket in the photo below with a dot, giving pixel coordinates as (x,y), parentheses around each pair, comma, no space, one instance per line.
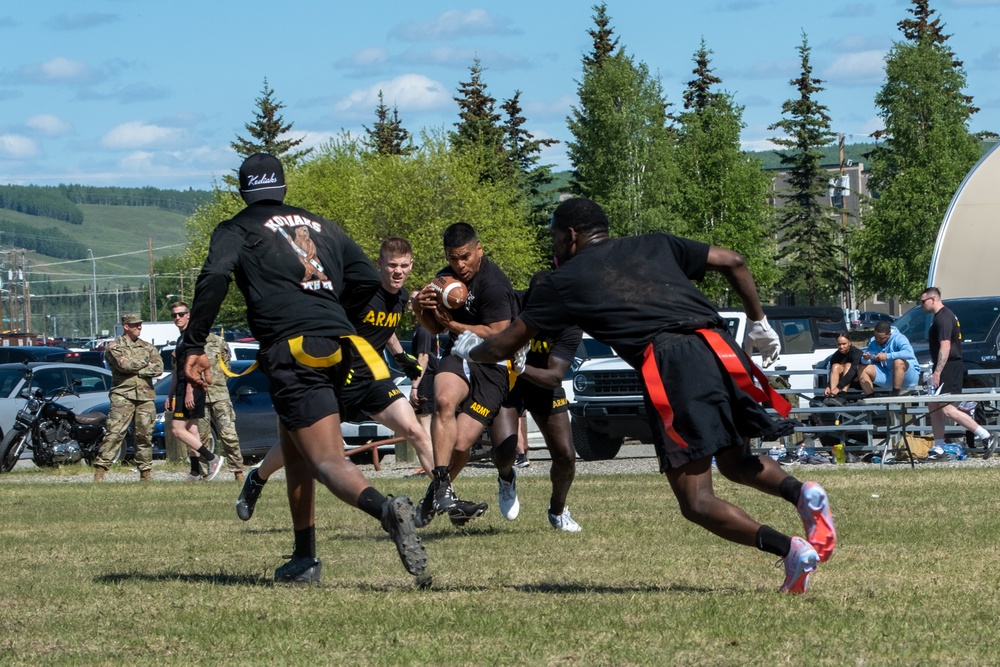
(133,367)
(218,355)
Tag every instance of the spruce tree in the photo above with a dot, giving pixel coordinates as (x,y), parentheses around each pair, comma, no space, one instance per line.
(266,130)
(388,136)
(524,152)
(925,153)
(810,247)
(602,36)
(478,131)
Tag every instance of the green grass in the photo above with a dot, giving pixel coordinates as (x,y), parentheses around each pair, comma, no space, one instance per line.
(165,573)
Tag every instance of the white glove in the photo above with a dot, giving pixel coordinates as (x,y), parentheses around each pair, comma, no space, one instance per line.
(520,359)
(761,336)
(464,344)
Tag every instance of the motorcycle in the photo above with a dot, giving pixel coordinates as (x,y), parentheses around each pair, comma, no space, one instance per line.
(56,434)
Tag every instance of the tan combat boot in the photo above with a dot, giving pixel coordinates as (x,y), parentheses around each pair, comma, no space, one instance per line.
(99,473)
(146,476)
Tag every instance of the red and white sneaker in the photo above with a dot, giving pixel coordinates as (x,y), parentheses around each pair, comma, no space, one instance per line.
(814,509)
(799,564)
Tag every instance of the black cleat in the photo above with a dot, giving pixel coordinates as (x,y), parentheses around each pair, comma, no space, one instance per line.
(444,496)
(252,486)
(424,512)
(463,511)
(299,570)
(397,520)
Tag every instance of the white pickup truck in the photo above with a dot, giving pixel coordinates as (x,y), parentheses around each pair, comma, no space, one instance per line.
(608,408)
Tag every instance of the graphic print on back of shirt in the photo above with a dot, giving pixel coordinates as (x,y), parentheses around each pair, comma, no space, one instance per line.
(300,241)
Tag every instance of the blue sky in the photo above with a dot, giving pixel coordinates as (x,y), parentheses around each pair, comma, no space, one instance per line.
(134,93)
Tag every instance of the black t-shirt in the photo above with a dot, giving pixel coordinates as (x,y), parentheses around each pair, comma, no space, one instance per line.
(852,357)
(299,273)
(491,296)
(625,291)
(424,342)
(378,320)
(945,326)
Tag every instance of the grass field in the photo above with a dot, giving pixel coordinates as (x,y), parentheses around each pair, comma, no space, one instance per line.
(164,573)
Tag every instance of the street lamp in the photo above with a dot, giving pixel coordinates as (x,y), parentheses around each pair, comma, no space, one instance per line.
(94,266)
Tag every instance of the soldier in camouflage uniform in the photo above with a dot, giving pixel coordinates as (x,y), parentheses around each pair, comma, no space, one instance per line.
(134,363)
(218,405)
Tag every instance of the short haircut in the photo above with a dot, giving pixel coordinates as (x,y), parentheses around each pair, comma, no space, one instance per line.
(933,291)
(882,327)
(179,304)
(583,215)
(538,277)
(459,234)
(394,246)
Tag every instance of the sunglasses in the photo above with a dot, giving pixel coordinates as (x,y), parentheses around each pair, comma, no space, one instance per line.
(180,314)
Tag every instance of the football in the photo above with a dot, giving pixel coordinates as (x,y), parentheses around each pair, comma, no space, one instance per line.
(452,292)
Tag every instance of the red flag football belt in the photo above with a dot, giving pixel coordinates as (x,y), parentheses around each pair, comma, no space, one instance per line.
(764,393)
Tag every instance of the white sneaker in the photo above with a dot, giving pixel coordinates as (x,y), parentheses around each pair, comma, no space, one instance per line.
(510,506)
(214,466)
(564,521)
(991,444)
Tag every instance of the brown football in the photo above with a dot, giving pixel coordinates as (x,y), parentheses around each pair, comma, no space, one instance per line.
(451,292)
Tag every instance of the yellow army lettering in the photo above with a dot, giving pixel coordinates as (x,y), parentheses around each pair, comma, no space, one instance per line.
(475,407)
(559,402)
(540,346)
(382,319)
(394,392)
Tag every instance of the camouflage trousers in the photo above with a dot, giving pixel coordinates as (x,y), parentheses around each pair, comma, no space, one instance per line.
(141,414)
(221,415)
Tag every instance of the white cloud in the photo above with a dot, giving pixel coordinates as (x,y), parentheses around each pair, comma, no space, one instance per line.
(137,134)
(409,92)
(58,70)
(16,146)
(49,124)
(451,24)
(365,58)
(862,67)
(449,56)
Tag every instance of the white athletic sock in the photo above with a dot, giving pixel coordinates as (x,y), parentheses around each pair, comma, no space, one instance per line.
(982,433)
(939,443)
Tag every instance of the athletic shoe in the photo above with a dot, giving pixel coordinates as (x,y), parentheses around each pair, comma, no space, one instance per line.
(463,511)
(510,506)
(252,487)
(564,521)
(522,461)
(299,570)
(425,510)
(397,520)
(192,478)
(991,445)
(444,495)
(814,509)
(214,466)
(799,564)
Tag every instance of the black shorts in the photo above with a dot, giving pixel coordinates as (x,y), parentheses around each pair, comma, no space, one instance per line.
(540,402)
(425,393)
(953,377)
(488,386)
(710,412)
(306,384)
(361,398)
(180,410)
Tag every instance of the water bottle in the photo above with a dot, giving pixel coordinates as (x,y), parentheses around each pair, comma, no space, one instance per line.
(776,452)
(839,457)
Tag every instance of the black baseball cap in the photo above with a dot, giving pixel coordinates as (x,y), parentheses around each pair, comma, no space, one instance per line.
(262,177)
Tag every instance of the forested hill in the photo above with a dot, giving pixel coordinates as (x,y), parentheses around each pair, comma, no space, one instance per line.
(61,201)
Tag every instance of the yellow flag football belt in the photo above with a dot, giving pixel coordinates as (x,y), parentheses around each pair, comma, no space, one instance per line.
(371,358)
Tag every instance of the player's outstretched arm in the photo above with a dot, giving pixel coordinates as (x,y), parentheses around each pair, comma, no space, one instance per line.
(734,269)
(504,344)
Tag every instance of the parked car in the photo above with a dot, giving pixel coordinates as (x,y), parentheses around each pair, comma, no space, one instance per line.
(867,319)
(13,353)
(86,386)
(979,318)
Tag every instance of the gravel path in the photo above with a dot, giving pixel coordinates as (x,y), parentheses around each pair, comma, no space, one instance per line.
(633,459)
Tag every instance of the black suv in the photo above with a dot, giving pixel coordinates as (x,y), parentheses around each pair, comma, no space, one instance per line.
(979,318)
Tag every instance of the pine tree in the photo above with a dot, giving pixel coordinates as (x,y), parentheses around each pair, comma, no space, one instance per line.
(721,193)
(622,147)
(387,136)
(809,236)
(524,151)
(266,131)
(926,153)
(602,34)
(478,130)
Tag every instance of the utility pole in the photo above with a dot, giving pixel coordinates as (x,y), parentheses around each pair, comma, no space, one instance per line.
(844,192)
(152,284)
(93,263)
